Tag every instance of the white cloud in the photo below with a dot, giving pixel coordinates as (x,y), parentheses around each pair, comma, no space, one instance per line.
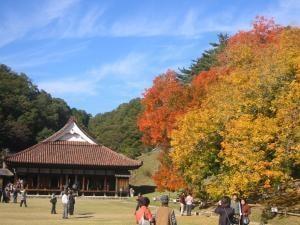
(124,70)
(75,86)
(67,19)
(40,56)
(15,25)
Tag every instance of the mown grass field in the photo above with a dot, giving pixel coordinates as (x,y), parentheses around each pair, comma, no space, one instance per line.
(100,212)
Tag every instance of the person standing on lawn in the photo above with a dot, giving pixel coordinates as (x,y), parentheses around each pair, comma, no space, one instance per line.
(1,191)
(71,203)
(182,203)
(225,211)
(165,215)
(23,198)
(189,204)
(65,200)
(144,215)
(15,193)
(53,202)
(246,211)
(236,206)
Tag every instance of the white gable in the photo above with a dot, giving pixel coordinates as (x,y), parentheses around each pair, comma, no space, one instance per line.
(73,133)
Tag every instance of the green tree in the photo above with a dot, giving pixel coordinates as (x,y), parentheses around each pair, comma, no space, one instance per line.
(118,129)
(205,62)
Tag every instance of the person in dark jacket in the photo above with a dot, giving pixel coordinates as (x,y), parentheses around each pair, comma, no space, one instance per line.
(71,203)
(15,194)
(182,203)
(226,213)
(0,194)
(53,202)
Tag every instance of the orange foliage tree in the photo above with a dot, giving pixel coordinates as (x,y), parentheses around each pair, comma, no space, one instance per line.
(235,127)
(168,177)
(163,103)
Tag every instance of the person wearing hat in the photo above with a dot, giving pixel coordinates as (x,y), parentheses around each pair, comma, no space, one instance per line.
(165,215)
(53,202)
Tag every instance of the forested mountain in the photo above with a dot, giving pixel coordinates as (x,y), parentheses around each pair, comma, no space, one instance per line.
(118,129)
(27,114)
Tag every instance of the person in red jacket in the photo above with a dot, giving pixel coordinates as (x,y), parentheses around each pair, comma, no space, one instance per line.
(246,211)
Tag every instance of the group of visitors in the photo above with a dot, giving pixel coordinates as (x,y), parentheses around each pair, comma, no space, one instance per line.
(186,203)
(68,201)
(164,214)
(12,191)
(233,211)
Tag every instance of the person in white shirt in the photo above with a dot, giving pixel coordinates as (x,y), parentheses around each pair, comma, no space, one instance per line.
(65,200)
(189,204)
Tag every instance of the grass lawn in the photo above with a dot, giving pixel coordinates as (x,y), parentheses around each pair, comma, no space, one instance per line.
(95,211)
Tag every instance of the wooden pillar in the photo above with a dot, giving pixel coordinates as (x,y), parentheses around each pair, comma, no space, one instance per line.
(83,183)
(76,179)
(38,181)
(49,181)
(105,184)
(67,179)
(60,182)
(117,187)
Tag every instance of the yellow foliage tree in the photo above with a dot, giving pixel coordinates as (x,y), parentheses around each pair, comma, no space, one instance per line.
(244,134)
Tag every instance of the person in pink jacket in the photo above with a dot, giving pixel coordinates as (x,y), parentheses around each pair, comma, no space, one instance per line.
(144,212)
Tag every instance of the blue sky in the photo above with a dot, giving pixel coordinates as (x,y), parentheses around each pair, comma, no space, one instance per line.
(98,54)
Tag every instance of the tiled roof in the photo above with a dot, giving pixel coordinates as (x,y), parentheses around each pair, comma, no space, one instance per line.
(72,153)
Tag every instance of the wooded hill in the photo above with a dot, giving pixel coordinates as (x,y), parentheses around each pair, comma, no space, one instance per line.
(28,115)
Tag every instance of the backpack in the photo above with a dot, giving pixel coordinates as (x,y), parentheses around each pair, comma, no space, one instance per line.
(143,221)
(246,220)
(233,220)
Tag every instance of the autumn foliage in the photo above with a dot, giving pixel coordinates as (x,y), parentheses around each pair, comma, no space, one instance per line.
(235,127)
(168,176)
(163,102)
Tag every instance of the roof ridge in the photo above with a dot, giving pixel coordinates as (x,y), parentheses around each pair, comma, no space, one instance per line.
(58,142)
(71,120)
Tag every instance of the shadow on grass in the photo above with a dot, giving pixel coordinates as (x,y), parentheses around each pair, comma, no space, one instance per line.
(83,217)
(84,214)
(144,189)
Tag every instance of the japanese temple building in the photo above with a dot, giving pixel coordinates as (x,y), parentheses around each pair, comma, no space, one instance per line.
(68,157)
